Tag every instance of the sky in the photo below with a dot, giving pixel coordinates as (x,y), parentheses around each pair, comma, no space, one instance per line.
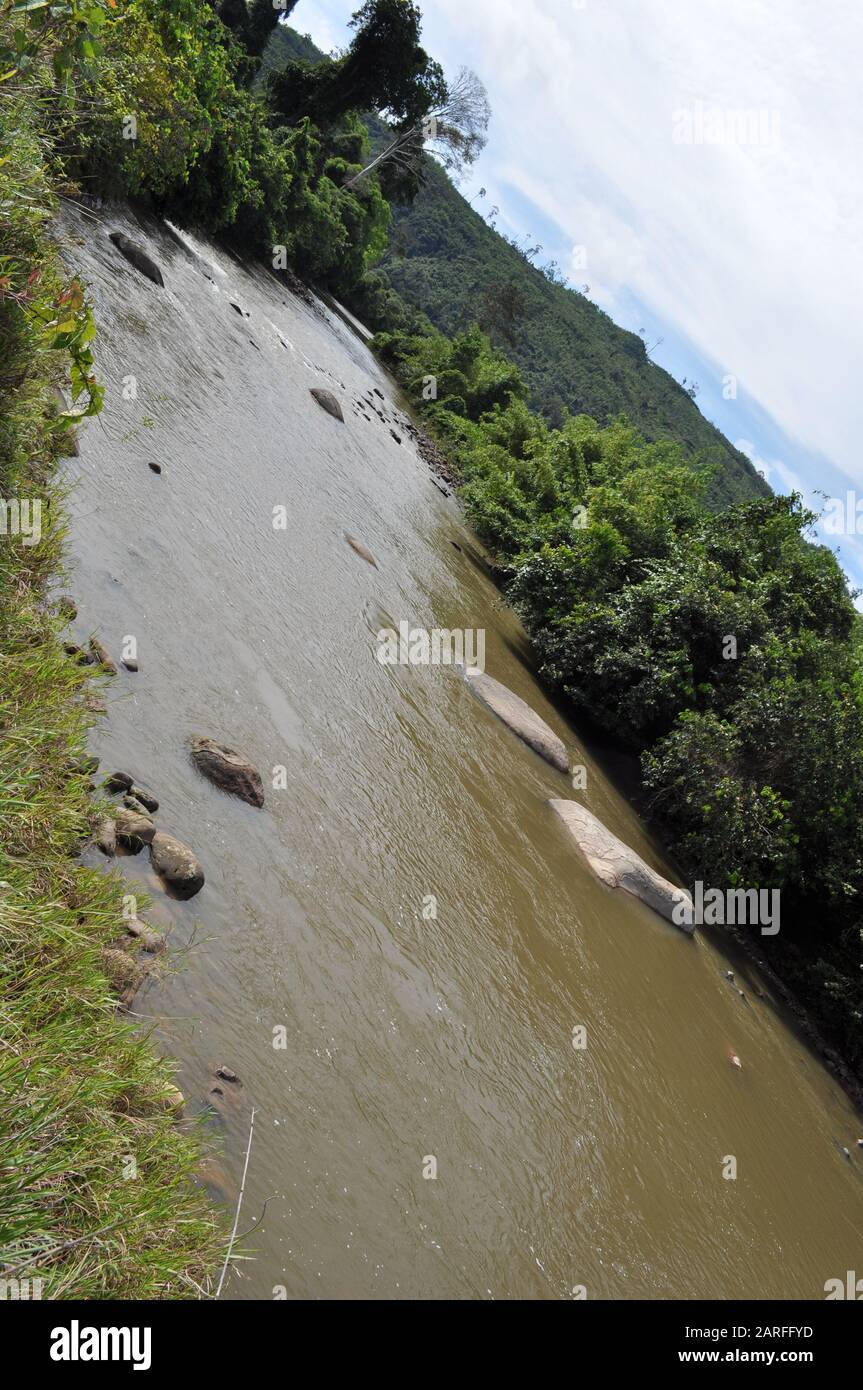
(697,164)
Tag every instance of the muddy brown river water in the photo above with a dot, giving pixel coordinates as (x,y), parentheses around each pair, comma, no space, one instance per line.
(394,952)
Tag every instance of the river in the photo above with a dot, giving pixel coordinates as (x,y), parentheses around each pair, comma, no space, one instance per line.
(393,954)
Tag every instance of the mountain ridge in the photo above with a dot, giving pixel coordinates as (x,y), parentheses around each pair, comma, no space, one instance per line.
(573,356)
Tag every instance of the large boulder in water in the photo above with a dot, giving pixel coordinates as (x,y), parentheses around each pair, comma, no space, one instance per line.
(619,866)
(229,770)
(137,257)
(175,863)
(327,401)
(519,717)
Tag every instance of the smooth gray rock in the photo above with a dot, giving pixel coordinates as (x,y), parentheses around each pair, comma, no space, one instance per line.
(229,770)
(327,401)
(176,864)
(137,257)
(519,717)
(618,866)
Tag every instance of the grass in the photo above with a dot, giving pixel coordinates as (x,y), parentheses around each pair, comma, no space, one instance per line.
(96,1193)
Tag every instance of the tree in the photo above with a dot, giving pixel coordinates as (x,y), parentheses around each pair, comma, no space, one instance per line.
(502,307)
(252,22)
(454,132)
(262,19)
(384,69)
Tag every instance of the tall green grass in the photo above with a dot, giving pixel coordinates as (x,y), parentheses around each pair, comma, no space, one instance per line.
(96,1192)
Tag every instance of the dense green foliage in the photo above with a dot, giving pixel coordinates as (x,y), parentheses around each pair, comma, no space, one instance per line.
(252,23)
(720,648)
(168,112)
(385,68)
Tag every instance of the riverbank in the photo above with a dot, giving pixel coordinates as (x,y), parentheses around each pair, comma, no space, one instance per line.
(96,1193)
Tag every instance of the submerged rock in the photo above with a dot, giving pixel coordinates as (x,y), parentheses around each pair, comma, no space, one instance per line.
(175,863)
(137,257)
(229,770)
(519,717)
(617,865)
(327,401)
(362,550)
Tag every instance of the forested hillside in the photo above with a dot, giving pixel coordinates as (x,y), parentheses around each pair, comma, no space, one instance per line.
(571,354)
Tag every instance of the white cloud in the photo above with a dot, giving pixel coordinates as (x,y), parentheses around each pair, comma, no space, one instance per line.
(325,29)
